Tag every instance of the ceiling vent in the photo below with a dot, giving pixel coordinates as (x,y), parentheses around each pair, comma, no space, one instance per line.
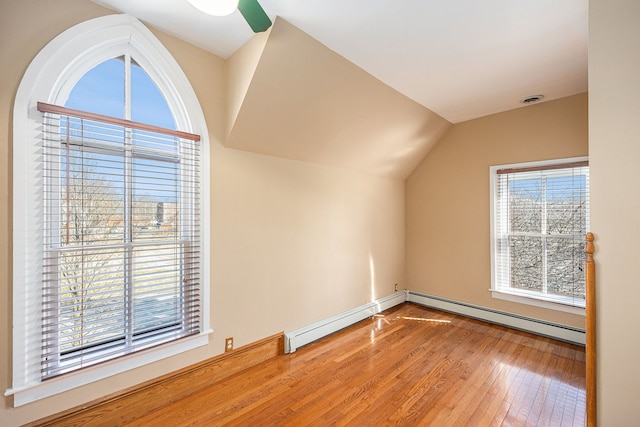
(531,99)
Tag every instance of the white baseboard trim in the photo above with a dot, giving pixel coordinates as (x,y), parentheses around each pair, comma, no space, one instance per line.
(315,331)
(536,326)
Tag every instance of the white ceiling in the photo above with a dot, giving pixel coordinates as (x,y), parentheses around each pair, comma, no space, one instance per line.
(462,59)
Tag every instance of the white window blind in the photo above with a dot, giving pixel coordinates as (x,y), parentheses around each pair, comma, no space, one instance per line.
(541,216)
(121,238)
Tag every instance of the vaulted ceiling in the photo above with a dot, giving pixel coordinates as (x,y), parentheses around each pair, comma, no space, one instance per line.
(373,85)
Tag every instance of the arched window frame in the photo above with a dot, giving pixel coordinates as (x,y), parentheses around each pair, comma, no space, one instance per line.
(50,78)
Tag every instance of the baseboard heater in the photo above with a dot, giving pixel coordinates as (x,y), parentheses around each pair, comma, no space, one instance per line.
(536,326)
(315,331)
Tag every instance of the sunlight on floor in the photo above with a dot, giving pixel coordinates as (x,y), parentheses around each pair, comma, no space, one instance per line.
(380,318)
(378,326)
(420,319)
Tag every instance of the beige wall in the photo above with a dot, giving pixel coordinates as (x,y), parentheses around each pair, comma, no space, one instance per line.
(448,250)
(295,243)
(292,242)
(614,144)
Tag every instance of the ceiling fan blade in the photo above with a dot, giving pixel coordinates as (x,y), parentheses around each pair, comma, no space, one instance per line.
(255,15)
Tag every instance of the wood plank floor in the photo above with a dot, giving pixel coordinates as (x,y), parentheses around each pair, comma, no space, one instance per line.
(409,366)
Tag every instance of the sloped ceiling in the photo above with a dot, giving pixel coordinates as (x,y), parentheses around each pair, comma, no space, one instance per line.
(292,97)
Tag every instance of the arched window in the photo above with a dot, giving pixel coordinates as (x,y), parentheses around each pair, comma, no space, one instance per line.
(111,247)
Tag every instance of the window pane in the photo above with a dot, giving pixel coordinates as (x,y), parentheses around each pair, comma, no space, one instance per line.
(91,199)
(566,205)
(101,90)
(565,267)
(526,262)
(155,199)
(92,297)
(525,205)
(147,102)
(157,287)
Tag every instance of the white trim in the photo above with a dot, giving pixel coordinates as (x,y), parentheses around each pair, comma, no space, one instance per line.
(39,390)
(537,301)
(497,292)
(50,78)
(536,326)
(315,331)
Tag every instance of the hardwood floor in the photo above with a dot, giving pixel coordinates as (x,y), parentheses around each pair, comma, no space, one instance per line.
(409,366)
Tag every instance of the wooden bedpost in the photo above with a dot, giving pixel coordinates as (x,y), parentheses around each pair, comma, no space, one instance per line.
(591,333)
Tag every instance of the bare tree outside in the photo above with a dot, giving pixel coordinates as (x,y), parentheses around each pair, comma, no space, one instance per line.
(547,219)
(92,273)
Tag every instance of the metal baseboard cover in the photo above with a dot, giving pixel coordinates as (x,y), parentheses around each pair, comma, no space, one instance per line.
(536,326)
(315,331)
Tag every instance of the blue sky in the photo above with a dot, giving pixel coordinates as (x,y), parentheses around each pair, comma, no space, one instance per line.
(101,90)
(558,187)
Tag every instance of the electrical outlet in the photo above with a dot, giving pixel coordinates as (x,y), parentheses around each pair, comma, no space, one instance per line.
(228,344)
(396,287)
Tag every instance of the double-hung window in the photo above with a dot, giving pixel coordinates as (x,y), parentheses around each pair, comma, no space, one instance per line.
(540,217)
(121,237)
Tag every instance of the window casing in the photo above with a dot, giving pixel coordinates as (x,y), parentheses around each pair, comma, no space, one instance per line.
(540,215)
(50,78)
